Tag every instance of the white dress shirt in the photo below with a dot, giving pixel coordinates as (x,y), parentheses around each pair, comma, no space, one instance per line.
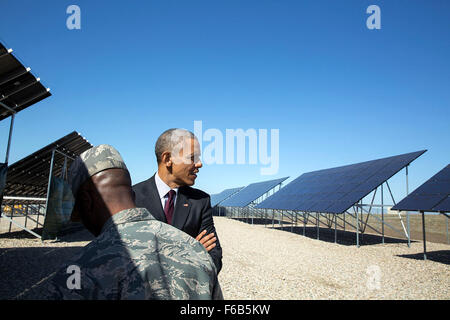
(163,189)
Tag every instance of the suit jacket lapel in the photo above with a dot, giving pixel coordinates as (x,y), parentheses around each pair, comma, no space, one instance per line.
(181,212)
(154,203)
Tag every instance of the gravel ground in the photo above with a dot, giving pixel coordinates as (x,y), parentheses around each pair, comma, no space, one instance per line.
(25,260)
(266,263)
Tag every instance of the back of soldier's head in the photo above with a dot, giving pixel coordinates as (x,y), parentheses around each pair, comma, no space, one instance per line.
(100,181)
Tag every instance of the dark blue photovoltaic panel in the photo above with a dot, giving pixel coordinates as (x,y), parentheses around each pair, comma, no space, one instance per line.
(335,190)
(251,193)
(19,88)
(225,194)
(432,196)
(444,206)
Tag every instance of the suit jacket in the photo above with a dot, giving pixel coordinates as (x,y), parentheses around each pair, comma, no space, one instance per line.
(192,212)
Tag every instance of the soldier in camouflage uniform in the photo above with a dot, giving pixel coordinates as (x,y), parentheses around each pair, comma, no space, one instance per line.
(134,256)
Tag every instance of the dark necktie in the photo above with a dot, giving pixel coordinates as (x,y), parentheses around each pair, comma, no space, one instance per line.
(168,206)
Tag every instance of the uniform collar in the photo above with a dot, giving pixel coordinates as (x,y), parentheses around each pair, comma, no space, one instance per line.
(127,215)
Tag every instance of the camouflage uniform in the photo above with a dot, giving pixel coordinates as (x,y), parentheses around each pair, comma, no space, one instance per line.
(135,256)
(139,257)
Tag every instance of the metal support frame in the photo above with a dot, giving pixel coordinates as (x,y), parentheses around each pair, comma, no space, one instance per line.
(25,211)
(11,126)
(382,215)
(13,210)
(49,182)
(11,217)
(13,115)
(317,218)
(335,229)
(265,217)
(295,222)
(26,216)
(424,237)
(424,232)
(357,227)
(272,214)
(401,221)
(11,221)
(305,219)
(446,224)
(344,221)
(407,212)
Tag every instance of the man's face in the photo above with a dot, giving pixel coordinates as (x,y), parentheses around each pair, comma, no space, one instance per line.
(186,162)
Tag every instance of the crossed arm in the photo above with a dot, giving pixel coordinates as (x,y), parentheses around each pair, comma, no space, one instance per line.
(208,236)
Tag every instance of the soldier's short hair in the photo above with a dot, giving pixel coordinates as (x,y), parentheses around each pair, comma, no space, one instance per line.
(170,139)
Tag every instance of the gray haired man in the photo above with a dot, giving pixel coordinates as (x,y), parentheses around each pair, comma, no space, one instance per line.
(169,194)
(134,256)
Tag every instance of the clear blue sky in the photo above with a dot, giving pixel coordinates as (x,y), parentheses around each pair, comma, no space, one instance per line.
(338,92)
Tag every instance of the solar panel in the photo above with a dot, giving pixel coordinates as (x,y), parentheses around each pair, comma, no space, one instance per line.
(335,190)
(19,89)
(250,193)
(225,194)
(444,206)
(432,196)
(28,177)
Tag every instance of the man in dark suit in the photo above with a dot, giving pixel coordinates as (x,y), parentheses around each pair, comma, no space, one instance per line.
(168,194)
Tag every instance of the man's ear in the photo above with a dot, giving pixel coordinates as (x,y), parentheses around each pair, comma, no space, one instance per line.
(166,158)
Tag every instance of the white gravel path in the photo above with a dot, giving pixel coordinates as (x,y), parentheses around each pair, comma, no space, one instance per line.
(265,263)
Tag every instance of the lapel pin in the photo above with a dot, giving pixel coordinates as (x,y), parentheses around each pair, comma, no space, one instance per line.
(185,205)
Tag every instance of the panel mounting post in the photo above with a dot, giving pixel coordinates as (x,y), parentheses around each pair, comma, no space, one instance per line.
(424,237)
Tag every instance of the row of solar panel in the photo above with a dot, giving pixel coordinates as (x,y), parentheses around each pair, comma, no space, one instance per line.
(241,197)
(251,192)
(28,177)
(337,189)
(225,194)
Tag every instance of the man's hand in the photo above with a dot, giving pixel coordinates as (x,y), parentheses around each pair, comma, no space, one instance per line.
(207,241)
